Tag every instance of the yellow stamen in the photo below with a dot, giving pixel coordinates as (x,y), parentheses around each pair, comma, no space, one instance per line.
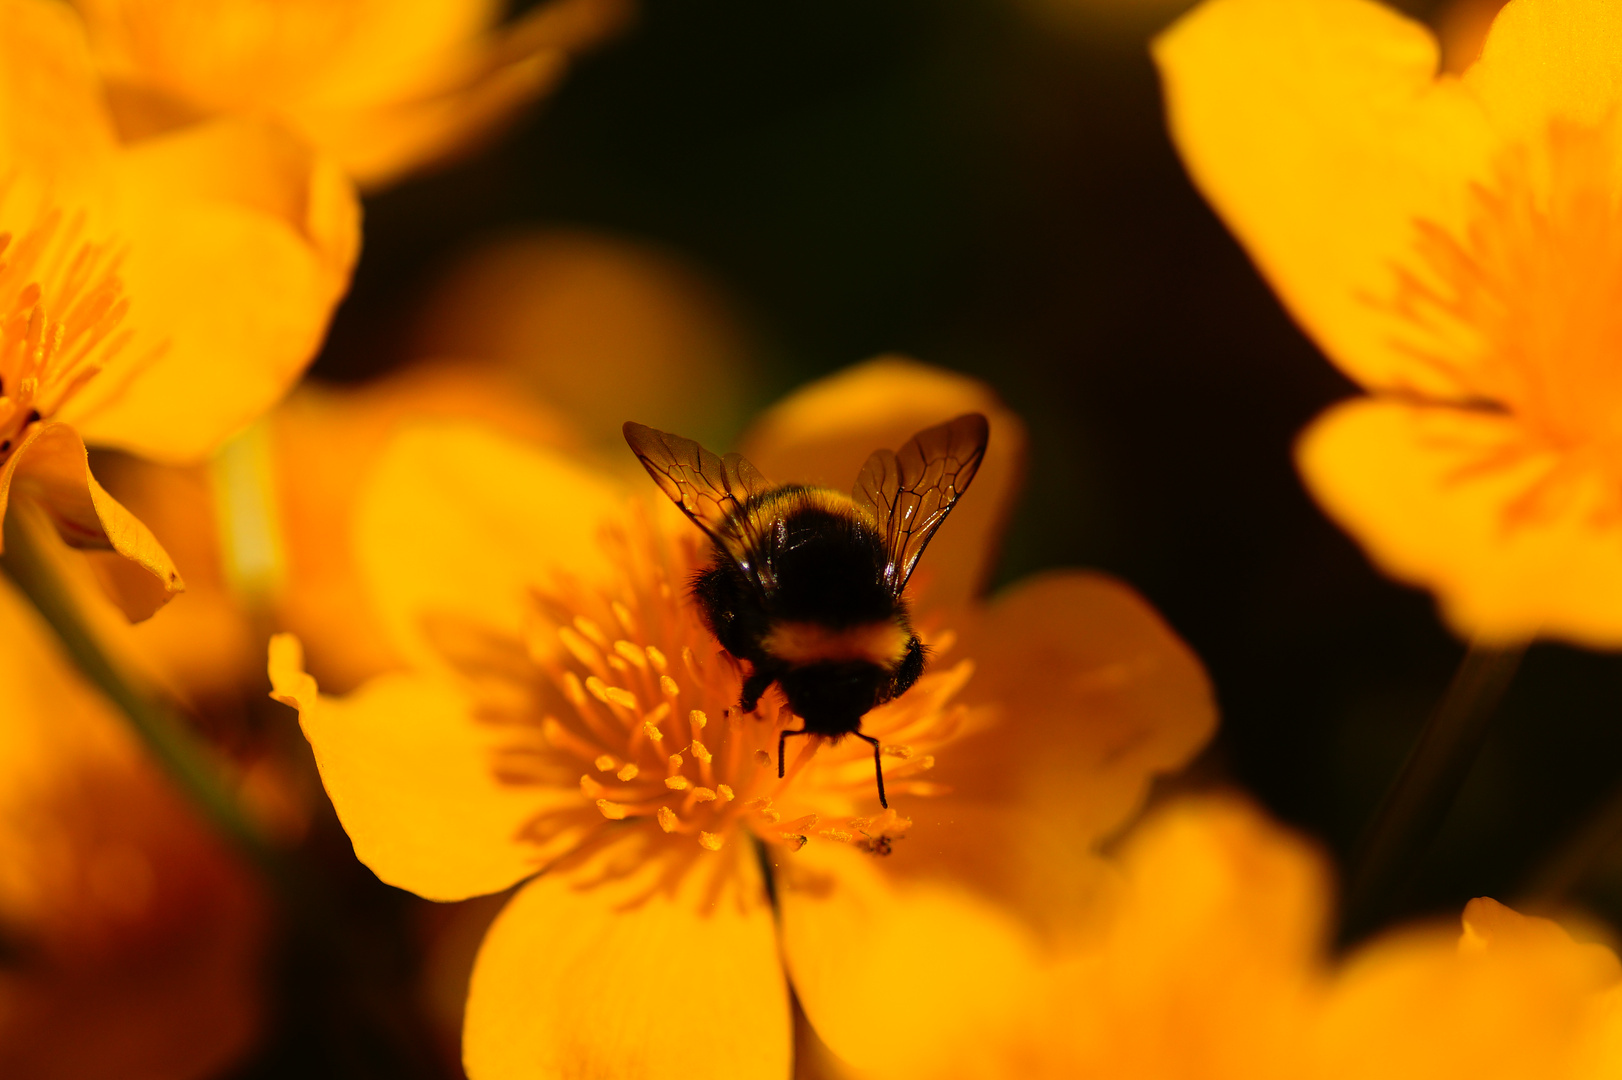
(613,811)
(709,841)
(605,763)
(628,773)
(667,819)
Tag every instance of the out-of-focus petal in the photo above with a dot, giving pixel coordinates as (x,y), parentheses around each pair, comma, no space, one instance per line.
(1515,538)
(51,469)
(633,978)
(604,328)
(240,243)
(1320,132)
(1550,60)
(410,768)
(457,524)
(823,433)
(134,939)
(378,139)
(52,119)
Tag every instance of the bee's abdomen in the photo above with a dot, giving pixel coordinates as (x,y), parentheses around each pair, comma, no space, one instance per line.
(883,643)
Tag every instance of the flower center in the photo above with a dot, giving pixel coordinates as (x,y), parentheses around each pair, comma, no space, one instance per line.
(1524,309)
(61,306)
(630,698)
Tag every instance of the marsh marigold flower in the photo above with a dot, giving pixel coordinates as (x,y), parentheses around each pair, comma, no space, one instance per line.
(384,85)
(132,938)
(1208,961)
(567,721)
(1454,244)
(153,296)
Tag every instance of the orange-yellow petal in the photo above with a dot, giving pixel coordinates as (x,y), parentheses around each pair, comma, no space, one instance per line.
(50,468)
(889,971)
(240,241)
(411,771)
(824,432)
(1095,696)
(633,978)
(1516,538)
(377,139)
(457,524)
(1551,60)
(1320,133)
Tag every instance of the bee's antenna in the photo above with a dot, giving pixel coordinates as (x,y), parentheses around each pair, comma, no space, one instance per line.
(782,737)
(878,770)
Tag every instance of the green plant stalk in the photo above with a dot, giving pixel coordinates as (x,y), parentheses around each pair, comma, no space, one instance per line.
(159,728)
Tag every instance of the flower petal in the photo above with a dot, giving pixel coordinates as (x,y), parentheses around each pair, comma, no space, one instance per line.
(410,770)
(1096,696)
(380,138)
(457,523)
(51,468)
(1514,537)
(240,243)
(601,981)
(53,122)
(889,972)
(1551,59)
(1320,133)
(824,432)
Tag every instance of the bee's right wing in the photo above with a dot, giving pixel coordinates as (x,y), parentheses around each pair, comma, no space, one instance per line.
(710,489)
(909,492)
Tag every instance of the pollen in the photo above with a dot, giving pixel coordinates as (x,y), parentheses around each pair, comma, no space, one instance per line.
(644,722)
(62,310)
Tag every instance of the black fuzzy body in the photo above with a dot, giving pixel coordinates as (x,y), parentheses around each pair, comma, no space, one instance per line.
(815,562)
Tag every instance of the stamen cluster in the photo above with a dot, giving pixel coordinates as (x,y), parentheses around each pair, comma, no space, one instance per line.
(626,695)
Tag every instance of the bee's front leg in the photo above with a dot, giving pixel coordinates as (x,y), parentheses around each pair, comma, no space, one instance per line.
(754,686)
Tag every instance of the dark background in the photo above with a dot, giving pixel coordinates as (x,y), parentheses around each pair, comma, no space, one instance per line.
(963,183)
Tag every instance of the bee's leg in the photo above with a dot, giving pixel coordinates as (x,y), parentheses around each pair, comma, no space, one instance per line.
(912,666)
(782,737)
(878,770)
(754,686)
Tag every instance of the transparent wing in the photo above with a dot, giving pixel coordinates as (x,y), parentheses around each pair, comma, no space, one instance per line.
(910,491)
(710,489)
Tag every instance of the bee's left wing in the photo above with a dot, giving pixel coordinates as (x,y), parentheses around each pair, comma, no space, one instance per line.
(910,491)
(709,488)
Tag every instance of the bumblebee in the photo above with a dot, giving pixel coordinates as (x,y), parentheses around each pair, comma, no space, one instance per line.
(805,583)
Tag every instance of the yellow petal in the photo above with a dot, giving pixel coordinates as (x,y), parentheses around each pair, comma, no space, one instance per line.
(1514,538)
(410,770)
(240,243)
(379,138)
(889,972)
(631,979)
(1320,133)
(1547,60)
(824,432)
(51,468)
(456,524)
(52,119)
(1095,696)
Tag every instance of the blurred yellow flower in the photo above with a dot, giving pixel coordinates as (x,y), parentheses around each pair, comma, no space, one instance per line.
(385,86)
(132,938)
(1208,962)
(153,296)
(566,711)
(1455,246)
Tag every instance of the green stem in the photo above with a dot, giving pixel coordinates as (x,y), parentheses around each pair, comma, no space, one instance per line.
(1411,813)
(164,734)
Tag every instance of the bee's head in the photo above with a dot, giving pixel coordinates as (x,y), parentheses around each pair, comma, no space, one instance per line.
(831,697)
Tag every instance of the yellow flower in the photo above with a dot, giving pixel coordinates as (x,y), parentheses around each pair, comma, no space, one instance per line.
(1454,244)
(133,939)
(153,296)
(385,86)
(1208,962)
(567,712)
